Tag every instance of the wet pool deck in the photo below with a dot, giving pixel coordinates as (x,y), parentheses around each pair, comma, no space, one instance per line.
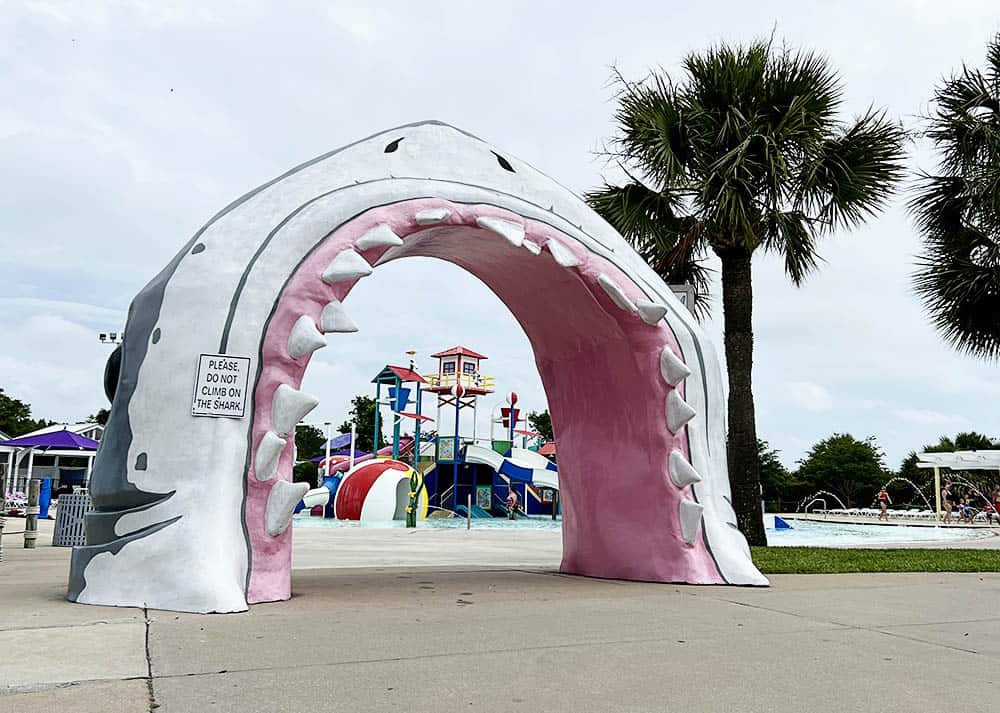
(445,620)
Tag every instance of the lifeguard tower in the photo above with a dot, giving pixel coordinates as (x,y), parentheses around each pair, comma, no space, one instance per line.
(458,384)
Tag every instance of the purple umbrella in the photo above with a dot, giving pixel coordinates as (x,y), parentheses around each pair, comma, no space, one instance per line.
(56,440)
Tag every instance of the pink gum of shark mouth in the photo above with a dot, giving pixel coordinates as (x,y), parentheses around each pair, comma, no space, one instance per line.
(611,367)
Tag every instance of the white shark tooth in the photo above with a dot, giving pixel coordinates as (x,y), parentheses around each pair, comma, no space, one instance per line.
(281,502)
(431,216)
(508,230)
(690,513)
(265,463)
(288,407)
(682,473)
(651,312)
(616,293)
(381,236)
(304,338)
(679,412)
(336,319)
(348,265)
(561,254)
(533,248)
(674,371)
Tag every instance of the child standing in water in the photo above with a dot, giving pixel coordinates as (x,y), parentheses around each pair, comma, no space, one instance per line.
(511,504)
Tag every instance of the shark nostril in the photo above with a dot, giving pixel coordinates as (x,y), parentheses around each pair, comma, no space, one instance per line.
(504,163)
(394,145)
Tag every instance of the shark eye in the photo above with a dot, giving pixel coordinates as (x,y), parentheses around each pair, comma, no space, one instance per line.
(504,163)
(394,145)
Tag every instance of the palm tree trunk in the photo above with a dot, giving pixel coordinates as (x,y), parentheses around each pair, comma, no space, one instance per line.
(744,468)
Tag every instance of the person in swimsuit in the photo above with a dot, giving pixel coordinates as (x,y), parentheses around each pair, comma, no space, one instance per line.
(512,504)
(884,502)
(946,501)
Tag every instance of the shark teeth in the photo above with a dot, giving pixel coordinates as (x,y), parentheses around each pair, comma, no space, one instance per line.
(288,407)
(281,502)
(690,513)
(682,473)
(616,293)
(304,338)
(533,248)
(679,412)
(561,254)
(651,312)
(431,216)
(380,236)
(674,371)
(348,265)
(509,231)
(265,463)
(336,319)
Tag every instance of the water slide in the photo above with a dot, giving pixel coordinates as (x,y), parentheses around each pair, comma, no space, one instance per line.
(521,465)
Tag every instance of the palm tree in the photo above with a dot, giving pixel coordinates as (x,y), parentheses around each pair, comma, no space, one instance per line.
(958,211)
(743,152)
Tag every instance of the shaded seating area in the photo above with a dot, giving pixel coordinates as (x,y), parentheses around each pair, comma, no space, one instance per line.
(62,443)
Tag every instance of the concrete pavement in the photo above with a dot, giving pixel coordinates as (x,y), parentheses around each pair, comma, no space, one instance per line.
(449,620)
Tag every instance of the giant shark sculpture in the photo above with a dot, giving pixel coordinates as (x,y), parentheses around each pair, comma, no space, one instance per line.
(192,513)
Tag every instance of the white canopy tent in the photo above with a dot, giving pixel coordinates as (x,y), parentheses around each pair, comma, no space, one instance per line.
(956,460)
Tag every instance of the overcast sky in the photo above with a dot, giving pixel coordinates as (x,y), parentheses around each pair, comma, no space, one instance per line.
(125,125)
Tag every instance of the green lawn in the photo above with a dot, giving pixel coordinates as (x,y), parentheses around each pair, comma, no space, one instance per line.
(826,560)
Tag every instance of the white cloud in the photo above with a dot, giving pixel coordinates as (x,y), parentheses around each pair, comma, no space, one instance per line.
(810,396)
(929,417)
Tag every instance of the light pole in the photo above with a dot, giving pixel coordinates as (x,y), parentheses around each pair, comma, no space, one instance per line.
(111,337)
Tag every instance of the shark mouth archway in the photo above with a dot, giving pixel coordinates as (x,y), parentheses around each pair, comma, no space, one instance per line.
(193,513)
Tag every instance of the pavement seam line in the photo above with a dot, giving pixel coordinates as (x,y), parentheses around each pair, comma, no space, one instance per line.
(151,695)
(117,622)
(857,627)
(53,685)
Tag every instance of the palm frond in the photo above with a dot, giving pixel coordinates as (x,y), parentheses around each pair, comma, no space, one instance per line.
(791,234)
(652,131)
(853,173)
(957,211)
(673,246)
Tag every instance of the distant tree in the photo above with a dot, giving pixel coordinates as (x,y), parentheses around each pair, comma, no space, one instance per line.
(309,443)
(101,417)
(774,477)
(542,423)
(850,468)
(362,413)
(15,416)
(908,468)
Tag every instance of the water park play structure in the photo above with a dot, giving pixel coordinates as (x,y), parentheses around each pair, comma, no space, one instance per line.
(205,387)
(453,470)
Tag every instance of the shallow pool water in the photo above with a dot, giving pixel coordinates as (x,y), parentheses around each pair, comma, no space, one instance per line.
(833,534)
(803,534)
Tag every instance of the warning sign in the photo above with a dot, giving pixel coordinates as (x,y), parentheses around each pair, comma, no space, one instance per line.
(221,387)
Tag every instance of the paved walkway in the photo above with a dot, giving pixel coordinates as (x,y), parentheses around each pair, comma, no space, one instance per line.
(437,633)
